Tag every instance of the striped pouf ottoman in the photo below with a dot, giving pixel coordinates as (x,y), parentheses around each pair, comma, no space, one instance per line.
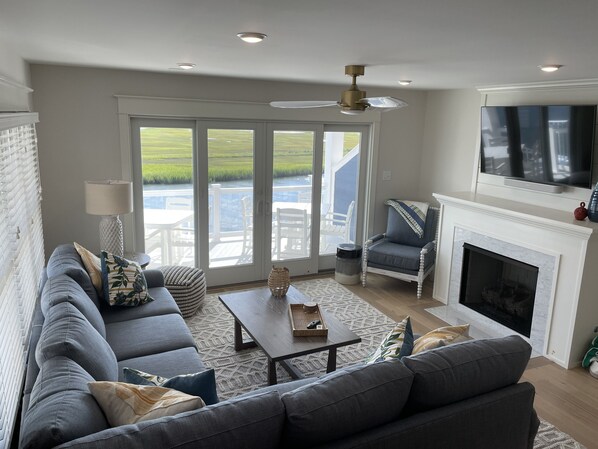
(187,285)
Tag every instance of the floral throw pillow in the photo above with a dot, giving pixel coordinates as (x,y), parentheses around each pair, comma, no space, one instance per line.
(123,281)
(397,344)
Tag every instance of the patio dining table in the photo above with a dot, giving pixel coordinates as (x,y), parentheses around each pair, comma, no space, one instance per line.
(165,222)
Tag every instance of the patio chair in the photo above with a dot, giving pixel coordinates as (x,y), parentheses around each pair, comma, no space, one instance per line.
(292,227)
(337,224)
(399,252)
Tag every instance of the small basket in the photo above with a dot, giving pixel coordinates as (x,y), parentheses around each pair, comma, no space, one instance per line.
(279,281)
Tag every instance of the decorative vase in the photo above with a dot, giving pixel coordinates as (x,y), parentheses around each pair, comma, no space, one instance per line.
(593,205)
(279,281)
(581,212)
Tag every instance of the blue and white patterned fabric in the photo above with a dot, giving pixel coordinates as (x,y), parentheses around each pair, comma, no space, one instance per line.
(413,212)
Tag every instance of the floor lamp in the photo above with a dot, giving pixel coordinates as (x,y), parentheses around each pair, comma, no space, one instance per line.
(109,199)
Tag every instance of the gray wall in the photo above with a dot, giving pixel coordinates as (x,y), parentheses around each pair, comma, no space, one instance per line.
(449,150)
(79,134)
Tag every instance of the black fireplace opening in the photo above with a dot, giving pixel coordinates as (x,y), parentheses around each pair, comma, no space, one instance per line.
(499,287)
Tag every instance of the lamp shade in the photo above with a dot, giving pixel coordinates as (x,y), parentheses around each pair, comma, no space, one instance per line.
(108,197)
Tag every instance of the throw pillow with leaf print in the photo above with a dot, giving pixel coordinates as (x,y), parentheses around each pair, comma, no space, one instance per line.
(123,281)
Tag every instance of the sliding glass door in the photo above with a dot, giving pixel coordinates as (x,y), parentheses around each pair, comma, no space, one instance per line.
(165,202)
(235,198)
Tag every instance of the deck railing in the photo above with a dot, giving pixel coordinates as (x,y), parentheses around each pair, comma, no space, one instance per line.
(224,204)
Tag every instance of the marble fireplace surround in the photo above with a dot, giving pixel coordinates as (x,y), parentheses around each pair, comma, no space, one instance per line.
(564,250)
(456,313)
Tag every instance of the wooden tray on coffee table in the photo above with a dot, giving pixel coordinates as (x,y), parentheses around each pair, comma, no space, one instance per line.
(300,318)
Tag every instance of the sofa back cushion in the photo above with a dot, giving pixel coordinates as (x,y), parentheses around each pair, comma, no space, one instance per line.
(66,332)
(254,422)
(63,288)
(61,408)
(464,370)
(66,260)
(399,231)
(345,402)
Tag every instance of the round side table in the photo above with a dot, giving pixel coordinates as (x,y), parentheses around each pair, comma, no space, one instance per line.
(141,258)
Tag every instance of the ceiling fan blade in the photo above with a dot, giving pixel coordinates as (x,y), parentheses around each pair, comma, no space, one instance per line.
(303,104)
(384,102)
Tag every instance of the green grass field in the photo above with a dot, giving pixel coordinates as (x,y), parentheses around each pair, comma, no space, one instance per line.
(167,154)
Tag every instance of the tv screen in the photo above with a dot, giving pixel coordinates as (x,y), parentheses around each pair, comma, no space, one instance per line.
(547,144)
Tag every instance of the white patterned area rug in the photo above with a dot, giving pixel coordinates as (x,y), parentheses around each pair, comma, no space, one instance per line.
(240,372)
(549,437)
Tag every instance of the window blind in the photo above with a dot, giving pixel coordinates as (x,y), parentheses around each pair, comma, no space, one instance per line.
(22,260)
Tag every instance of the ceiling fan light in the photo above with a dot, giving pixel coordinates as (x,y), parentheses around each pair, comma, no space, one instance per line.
(352,111)
(185,65)
(405,82)
(251,38)
(550,67)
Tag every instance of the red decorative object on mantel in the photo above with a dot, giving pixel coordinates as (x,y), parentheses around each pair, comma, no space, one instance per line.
(581,212)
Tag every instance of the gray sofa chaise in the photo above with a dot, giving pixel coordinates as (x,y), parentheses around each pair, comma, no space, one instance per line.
(464,396)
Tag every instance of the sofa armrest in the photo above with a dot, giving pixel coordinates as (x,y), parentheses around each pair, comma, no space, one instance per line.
(154,278)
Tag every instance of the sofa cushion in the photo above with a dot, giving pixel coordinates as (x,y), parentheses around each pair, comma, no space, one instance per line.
(66,332)
(251,423)
(397,344)
(162,304)
(61,407)
(125,403)
(165,364)
(397,257)
(123,281)
(149,335)
(456,372)
(345,402)
(66,260)
(63,288)
(202,383)
(281,389)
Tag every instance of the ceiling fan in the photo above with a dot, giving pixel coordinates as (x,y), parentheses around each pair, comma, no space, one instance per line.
(353,101)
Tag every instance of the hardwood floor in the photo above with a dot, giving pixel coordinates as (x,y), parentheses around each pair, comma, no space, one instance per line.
(566,398)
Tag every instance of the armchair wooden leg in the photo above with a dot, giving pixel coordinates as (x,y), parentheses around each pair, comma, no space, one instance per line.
(419,289)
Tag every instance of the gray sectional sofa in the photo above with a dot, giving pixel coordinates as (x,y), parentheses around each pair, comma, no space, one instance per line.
(463,396)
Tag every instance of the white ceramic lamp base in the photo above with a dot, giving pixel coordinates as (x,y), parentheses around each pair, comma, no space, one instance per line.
(111,235)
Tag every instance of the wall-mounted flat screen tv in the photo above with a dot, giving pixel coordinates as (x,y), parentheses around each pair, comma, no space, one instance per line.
(546,144)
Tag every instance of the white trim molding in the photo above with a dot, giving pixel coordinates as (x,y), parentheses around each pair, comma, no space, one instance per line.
(591,83)
(5,81)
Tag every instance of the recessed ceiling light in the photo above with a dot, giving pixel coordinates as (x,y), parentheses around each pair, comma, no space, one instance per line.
(251,38)
(550,67)
(405,82)
(185,65)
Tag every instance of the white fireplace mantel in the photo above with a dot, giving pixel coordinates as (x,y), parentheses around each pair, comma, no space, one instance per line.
(573,299)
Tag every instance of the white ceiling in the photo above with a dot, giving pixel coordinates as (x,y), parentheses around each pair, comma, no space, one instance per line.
(436,43)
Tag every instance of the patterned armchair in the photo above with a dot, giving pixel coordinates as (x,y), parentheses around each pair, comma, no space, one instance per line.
(399,252)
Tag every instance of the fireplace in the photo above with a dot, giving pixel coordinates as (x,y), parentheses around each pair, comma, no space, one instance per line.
(498,287)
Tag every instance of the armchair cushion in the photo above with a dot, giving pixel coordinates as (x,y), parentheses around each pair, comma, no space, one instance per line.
(399,231)
(396,257)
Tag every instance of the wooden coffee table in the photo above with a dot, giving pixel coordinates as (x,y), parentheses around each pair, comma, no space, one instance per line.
(266,319)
